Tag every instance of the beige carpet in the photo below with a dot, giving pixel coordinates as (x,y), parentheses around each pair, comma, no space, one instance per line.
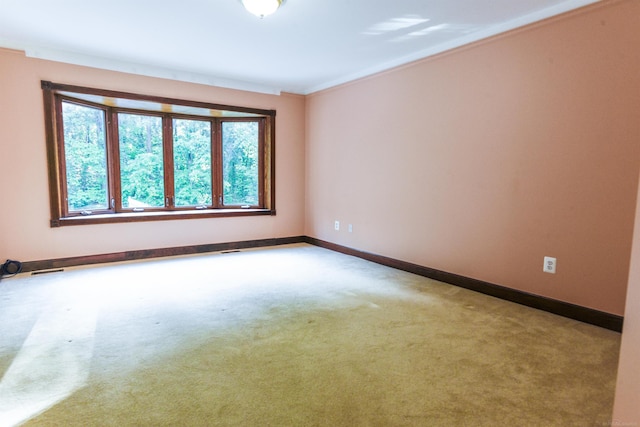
(289,336)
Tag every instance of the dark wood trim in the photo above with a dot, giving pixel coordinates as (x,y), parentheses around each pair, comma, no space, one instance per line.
(156,215)
(572,311)
(113,153)
(216,163)
(169,198)
(271,145)
(51,86)
(587,315)
(48,264)
(52,154)
(262,180)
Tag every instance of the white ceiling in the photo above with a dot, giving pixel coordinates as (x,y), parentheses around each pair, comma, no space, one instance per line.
(306,46)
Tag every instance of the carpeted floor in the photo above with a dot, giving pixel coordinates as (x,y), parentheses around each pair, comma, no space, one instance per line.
(289,336)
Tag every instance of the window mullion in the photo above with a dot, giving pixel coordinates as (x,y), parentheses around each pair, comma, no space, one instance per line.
(113,142)
(167,141)
(111,159)
(216,163)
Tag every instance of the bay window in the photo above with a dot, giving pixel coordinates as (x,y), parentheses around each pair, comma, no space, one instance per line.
(122,157)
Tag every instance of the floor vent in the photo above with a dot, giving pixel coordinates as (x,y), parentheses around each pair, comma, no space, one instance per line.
(58,270)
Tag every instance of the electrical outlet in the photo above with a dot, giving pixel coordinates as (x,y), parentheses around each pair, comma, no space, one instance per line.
(549,265)
(336,225)
(350,228)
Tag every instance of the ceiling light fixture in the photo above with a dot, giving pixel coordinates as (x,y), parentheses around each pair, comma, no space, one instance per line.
(261,8)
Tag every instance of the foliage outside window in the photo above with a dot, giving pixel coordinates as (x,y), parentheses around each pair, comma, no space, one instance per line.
(121,157)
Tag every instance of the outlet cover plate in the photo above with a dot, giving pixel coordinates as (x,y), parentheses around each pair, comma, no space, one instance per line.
(549,265)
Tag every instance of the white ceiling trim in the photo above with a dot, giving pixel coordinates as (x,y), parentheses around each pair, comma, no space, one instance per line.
(461,41)
(145,70)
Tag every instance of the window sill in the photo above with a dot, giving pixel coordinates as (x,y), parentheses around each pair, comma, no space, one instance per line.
(157,216)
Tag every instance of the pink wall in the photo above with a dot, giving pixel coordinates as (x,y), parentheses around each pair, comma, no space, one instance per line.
(483,160)
(24,213)
(626,409)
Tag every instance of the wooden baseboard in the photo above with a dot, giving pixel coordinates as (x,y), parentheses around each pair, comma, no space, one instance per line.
(572,311)
(583,314)
(155,253)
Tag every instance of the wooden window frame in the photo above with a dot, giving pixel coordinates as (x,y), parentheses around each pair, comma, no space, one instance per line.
(54,94)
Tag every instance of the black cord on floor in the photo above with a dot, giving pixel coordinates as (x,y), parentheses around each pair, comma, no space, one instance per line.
(10,268)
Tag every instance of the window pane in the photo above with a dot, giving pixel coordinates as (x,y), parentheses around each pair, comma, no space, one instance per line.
(192,162)
(141,160)
(85,157)
(240,163)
